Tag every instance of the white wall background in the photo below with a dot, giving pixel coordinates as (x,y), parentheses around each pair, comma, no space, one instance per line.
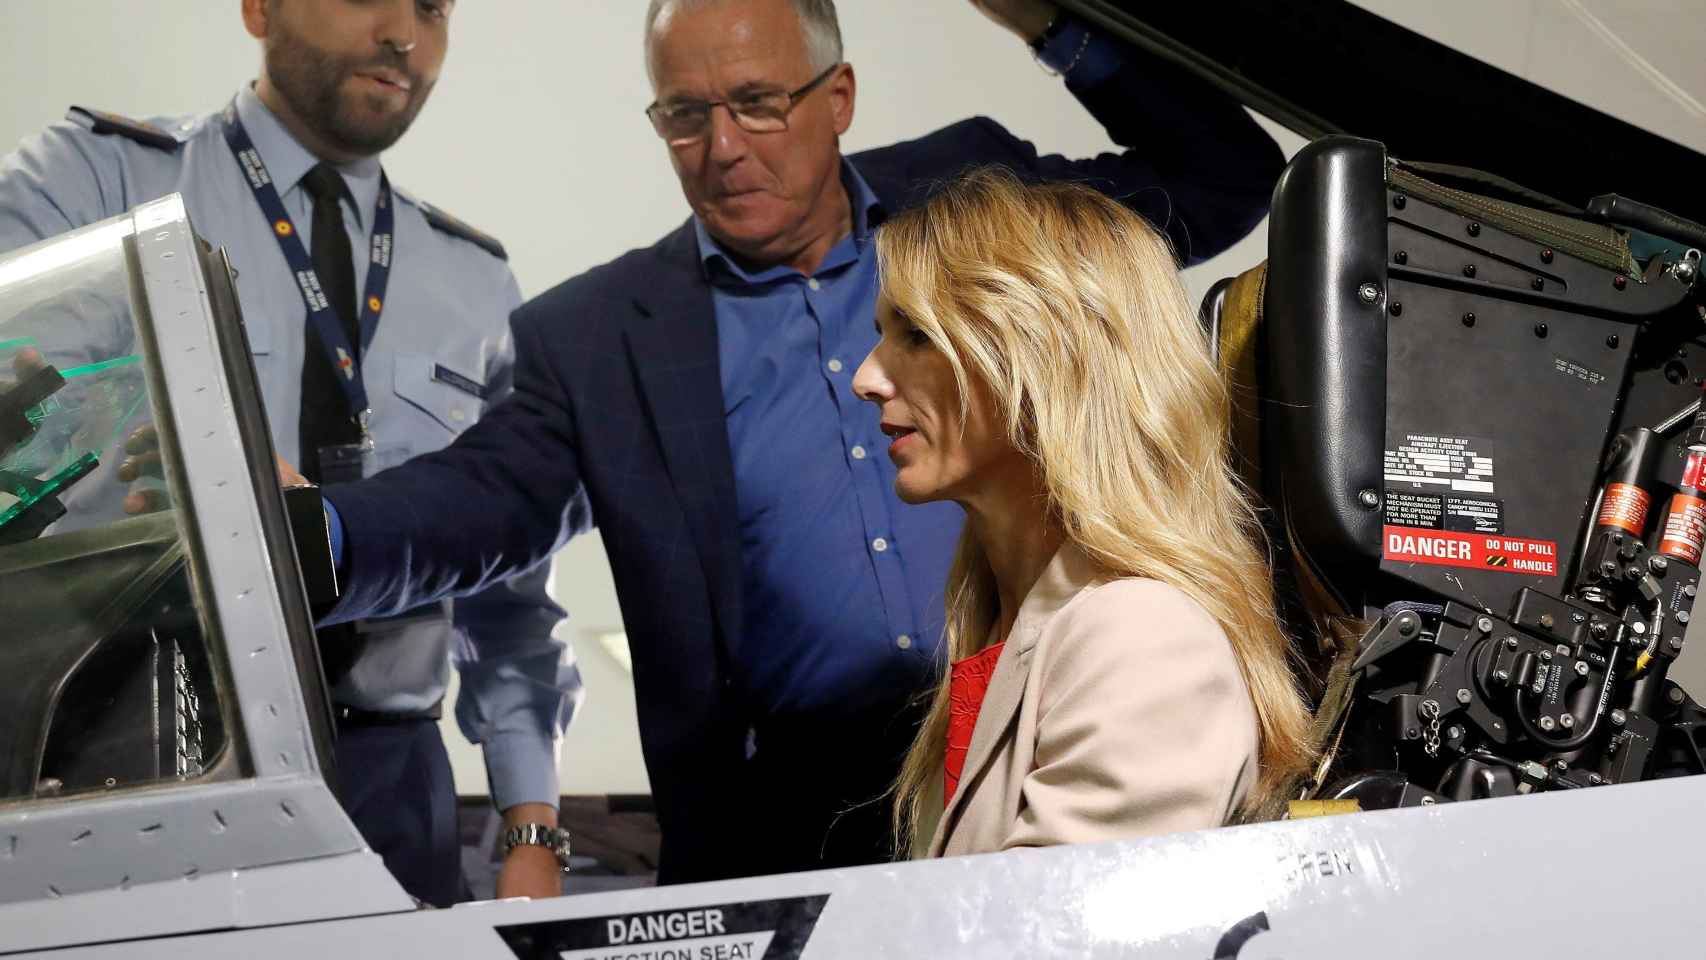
(535,134)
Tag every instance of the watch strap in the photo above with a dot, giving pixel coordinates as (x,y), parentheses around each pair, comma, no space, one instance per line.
(554,839)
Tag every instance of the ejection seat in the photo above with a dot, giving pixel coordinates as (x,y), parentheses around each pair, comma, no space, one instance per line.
(1429,372)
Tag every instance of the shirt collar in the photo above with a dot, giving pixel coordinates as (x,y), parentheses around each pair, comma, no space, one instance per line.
(1068,573)
(288,161)
(868,214)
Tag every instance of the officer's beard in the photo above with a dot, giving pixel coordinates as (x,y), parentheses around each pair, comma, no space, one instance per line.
(311,81)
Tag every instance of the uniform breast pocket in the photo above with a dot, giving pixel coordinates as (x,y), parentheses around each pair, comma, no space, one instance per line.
(443,389)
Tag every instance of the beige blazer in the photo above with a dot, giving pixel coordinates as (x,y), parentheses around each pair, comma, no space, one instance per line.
(1116,710)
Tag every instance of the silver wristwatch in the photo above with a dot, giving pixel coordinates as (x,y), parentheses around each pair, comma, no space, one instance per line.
(555,839)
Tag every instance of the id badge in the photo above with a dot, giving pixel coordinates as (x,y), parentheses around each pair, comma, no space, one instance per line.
(349,462)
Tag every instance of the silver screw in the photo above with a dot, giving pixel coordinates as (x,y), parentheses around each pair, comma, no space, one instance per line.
(1567,721)
(1454,732)
(1638,628)
(1503,676)
(1484,624)
(1676,695)
(1658,564)
(1369,293)
(1369,499)
(1547,723)
(1539,687)
(1682,616)
(1581,668)
(1546,655)
(1595,779)
(1676,643)
(1560,765)
(1619,718)
(1510,643)
(1463,696)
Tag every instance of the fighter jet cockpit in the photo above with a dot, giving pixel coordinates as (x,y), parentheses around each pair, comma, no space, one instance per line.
(156,686)
(114,684)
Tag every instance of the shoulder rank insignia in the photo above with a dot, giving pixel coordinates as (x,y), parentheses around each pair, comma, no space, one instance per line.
(456,228)
(147,134)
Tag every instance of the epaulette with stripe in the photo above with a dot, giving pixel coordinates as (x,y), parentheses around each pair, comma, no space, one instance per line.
(102,122)
(456,228)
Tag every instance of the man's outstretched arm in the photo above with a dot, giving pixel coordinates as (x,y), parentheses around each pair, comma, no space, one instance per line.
(1195,163)
(496,503)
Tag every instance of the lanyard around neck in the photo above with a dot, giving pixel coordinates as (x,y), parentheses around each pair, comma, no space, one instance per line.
(321,316)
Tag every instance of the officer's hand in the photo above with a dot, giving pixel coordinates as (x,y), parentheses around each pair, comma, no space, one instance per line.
(26,362)
(530,871)
(1027,18)
(288,476)
(142,470)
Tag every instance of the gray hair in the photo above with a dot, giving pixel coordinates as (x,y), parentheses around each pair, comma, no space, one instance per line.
(818,23)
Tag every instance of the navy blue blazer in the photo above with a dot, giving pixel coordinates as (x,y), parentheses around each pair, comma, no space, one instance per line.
(617,418)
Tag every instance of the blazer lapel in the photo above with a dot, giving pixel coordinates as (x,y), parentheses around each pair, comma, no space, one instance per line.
(673,345)
(1000,708)
(1068,573)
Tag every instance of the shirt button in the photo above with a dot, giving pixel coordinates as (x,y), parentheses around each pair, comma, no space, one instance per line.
(903,641)
(814,284)
(879,544)
(858,453)
(834,365)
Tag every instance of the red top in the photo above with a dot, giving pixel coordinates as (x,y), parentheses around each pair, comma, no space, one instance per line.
(968,682)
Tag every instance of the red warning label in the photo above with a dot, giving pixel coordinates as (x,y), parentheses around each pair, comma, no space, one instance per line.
(1694,469)
(1450,549)
(1685,528)
(1625,505)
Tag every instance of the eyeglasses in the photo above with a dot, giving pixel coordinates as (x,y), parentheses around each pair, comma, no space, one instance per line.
(683,121)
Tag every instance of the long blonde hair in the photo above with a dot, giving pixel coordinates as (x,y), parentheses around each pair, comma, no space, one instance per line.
(1070,308)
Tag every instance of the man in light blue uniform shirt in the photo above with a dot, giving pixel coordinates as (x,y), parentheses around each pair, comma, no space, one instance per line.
(341,80)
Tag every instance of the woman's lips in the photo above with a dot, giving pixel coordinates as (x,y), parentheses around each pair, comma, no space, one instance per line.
(902,437)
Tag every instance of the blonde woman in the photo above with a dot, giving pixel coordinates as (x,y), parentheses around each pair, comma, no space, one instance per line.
(1118,669)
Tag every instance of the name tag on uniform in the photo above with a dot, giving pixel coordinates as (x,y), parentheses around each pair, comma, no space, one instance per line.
(468,385)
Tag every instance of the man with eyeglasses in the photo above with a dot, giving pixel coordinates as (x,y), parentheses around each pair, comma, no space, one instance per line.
(694,400)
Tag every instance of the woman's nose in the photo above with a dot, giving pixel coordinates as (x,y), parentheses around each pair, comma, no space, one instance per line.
(871,382)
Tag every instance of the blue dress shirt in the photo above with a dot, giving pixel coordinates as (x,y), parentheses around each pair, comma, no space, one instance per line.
(842,583)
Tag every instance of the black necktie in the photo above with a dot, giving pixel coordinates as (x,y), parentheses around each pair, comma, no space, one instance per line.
(326,419)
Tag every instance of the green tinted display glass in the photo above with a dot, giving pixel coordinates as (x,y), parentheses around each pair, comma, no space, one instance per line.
(68,430)
(109,674)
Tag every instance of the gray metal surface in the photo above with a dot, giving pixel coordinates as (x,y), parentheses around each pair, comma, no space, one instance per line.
(355,884)
(1491,878)
(227,520)
(158,848)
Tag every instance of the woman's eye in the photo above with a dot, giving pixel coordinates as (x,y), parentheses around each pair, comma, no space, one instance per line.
(916,337)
